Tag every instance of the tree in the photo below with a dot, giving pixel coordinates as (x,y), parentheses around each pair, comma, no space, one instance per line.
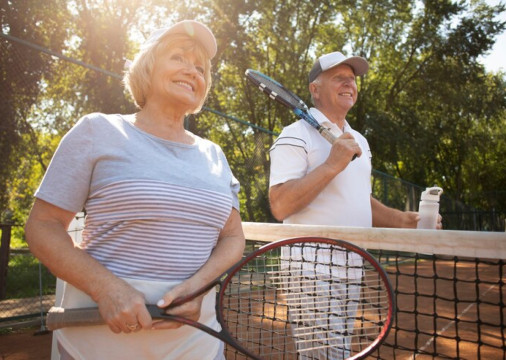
(21,71)
(424,67)
(425,106)
(45,96)
(438,98)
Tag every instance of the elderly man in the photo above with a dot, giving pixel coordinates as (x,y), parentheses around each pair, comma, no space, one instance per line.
(314,182)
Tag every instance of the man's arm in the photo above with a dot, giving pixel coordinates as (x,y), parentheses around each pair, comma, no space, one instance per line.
(294,195)
(384,216)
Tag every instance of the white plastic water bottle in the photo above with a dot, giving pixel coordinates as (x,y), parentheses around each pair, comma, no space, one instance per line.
(429,208)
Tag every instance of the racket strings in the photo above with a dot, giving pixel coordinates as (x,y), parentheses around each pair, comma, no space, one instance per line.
(281,278)
(283,304)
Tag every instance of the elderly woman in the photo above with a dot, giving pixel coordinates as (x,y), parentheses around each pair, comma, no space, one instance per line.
(161,204)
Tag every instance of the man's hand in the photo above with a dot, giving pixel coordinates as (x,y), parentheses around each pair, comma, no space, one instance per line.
(343,151)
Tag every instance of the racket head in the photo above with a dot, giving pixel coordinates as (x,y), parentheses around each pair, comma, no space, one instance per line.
(279,93)
(290,297)
(275,90)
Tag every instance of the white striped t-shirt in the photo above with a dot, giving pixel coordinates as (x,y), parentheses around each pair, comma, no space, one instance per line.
(154,208)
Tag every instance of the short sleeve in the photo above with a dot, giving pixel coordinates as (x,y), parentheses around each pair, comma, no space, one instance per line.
(66,182)
(288,156)
(234,183)
(234,188)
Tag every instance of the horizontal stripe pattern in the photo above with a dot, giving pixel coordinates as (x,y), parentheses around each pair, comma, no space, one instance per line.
(153,230)
(289,141)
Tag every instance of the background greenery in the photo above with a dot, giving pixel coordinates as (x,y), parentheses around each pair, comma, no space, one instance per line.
(431,112)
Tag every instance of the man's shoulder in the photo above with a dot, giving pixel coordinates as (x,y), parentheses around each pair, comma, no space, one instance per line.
(298,128)
(295,134)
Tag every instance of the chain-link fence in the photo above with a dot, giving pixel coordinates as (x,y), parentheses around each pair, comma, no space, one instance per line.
(27,288)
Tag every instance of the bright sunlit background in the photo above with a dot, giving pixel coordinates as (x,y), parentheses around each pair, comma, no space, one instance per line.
(496,60)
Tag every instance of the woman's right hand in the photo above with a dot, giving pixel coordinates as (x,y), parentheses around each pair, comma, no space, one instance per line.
(123,308)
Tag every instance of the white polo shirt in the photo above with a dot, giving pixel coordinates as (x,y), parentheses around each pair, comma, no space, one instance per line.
(345,201)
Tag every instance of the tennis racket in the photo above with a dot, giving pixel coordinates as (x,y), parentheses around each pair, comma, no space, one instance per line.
(282,95)
(308,297)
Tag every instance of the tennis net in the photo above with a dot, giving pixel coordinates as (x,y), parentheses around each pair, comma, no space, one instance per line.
(449,287)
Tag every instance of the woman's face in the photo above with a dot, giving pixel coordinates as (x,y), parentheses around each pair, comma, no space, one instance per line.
(178,77)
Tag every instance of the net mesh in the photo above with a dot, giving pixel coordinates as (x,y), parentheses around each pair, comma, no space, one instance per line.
(448,307)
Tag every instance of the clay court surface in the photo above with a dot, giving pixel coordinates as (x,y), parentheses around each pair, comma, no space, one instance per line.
(25,345)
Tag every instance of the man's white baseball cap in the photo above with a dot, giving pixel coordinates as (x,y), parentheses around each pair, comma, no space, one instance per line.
(328,61)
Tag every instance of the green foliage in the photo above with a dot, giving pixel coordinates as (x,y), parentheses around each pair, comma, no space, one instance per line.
(23,280)
(422,106)
(430,111)
(26,178)
(21,70)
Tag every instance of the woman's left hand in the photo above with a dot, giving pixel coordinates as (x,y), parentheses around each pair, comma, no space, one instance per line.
(227,252)
(189,310)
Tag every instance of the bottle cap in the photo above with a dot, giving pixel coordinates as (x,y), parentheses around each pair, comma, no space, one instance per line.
(432,193)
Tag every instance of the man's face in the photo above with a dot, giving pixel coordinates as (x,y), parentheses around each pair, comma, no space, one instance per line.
(335,89)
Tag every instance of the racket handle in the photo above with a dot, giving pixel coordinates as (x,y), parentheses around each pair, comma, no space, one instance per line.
(58,317)
(331,138)
(327,135)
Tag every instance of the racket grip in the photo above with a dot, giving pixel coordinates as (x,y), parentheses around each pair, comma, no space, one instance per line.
(58,318)
(331,138)
(327,135)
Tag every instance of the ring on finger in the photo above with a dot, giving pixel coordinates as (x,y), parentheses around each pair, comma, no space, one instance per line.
(132,327)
